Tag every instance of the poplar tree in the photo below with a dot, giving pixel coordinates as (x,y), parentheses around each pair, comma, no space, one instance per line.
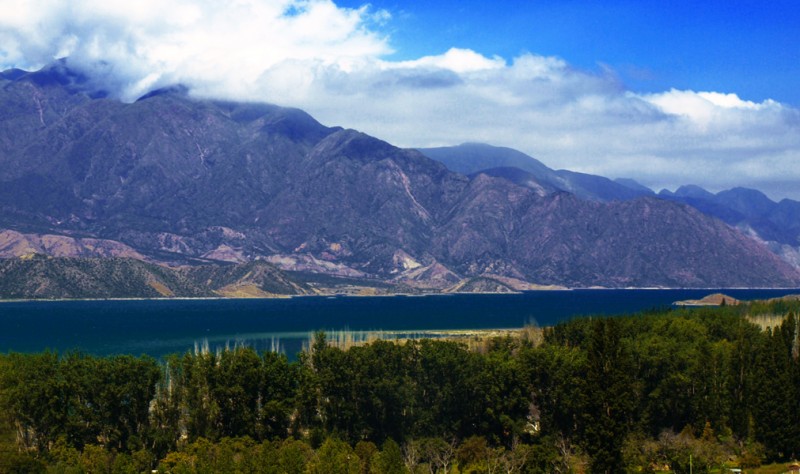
(609,396)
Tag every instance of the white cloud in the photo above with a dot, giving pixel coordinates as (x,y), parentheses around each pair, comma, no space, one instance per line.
(456,60)
(708,108)
(570,119)
(229,44)
(331,61)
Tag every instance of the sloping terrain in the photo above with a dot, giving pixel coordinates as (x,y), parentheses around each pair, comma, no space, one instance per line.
(189,181)
(57,278)
(42,277)
(474,158)
(777,224)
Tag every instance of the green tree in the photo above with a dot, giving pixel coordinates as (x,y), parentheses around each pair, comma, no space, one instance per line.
(505,396)
(197,385)
(382,390)
(166,416)
(775,402)
(35,394)
(278,395)
(236,389)
(289,456)
(389,460)
(447,378)
(558,379)
(471,454)
(609,396)
(366,452)
(335,457)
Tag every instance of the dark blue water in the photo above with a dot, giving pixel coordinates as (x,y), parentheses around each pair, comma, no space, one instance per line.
(159,327)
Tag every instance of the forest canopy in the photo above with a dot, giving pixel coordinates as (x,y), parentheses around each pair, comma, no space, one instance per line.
(717,387)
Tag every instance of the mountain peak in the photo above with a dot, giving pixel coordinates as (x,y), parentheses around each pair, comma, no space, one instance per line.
(12,74)
(59,74)
(354,145)
(693,191)
(180,179)
(469,158)
(178,90)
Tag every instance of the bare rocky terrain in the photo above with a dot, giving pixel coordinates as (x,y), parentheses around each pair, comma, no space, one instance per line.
(180,181)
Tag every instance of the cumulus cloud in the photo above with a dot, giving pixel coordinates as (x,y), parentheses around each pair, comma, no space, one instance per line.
(226,45)
(331,61)
(456,60)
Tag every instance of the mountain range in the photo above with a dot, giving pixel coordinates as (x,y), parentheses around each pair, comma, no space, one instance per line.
(777,224)
(522,169)
(174,180)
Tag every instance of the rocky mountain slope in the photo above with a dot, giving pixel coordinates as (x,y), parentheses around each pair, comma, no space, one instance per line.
(66,277)
(776,224)
(187,181)
(42,277)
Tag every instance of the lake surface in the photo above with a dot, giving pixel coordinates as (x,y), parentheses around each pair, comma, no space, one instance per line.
(160,327)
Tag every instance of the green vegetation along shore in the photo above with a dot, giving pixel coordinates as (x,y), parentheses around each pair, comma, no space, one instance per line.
(704,389)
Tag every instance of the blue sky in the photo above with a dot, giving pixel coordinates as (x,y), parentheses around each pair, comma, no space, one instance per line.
(665,92)
(751,48)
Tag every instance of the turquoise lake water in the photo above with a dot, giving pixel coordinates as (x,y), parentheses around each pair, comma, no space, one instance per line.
(159,327)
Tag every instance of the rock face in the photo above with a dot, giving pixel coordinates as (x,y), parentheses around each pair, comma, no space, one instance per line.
(182,180)
(15,244)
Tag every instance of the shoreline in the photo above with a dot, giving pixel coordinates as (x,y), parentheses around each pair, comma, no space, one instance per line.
(385,295)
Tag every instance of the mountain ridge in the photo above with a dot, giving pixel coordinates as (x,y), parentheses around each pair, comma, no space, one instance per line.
(474,158)
(182,180)
(776,224)
(37,276)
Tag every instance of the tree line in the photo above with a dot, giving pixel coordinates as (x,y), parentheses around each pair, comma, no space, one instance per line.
(613,394)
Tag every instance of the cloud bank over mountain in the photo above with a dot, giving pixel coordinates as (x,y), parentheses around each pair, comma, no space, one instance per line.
(332,62)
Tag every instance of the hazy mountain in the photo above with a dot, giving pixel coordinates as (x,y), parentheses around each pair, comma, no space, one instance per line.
(473,158)
(689,191)
(634,185)
(589,186)
(470,158)
(750,203)
(746,208)
(777,224)
(703,201)
(184,180)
